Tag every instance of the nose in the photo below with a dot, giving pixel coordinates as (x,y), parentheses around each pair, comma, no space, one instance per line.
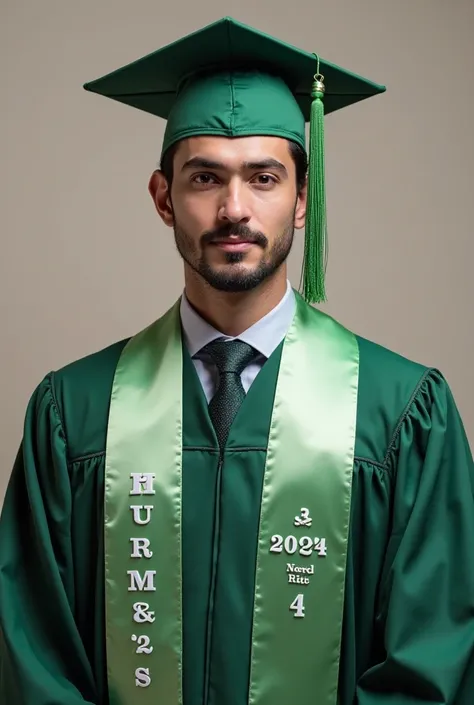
(234,207)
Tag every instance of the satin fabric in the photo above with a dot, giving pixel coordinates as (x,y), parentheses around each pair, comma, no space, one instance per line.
(295,653)
(309,464)
(144,437)
(408,625)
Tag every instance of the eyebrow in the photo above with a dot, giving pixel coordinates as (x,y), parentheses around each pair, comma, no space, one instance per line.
(267,163)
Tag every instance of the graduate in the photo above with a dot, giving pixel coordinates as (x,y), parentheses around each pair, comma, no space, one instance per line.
(244,503)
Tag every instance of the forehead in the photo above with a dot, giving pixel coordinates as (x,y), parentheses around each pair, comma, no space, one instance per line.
(233,151)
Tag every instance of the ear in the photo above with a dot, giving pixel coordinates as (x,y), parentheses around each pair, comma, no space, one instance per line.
(160,193)
(300,210)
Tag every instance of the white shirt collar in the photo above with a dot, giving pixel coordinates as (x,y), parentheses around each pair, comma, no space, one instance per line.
(265,335)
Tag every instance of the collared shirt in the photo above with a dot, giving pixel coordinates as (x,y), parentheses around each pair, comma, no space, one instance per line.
(265,336)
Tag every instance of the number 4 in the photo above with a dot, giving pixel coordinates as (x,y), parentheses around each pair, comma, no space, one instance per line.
(320,547)
(297,606)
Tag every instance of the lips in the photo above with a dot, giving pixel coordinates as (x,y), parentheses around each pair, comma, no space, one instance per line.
(234,238)
(234,241)
(234,245)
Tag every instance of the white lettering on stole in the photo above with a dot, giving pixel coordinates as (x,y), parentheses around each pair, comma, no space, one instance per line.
(142,613)
(304,518)
(141,548)
(142,584)
(143,644)
(298,579)
(292,568)
(136,509)
(142,483)
(142,677)
(305,545)
(298,606)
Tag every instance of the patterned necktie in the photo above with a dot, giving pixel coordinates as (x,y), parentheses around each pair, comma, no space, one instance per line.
(230,358)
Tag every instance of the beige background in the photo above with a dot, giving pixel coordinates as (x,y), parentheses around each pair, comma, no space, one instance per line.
(84,260)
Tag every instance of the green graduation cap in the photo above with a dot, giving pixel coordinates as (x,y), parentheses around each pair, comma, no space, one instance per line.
(231,80)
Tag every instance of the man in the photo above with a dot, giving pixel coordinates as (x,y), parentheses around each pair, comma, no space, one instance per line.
(245,502)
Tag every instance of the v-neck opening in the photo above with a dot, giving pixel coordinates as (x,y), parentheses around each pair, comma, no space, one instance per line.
(258,395)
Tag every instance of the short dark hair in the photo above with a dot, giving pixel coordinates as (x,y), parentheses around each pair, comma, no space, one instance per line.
(299,155)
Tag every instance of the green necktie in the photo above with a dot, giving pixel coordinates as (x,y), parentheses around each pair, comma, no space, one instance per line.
(230,358)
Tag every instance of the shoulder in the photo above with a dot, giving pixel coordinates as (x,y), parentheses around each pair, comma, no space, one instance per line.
(81,392)
(385,371)
(390,385)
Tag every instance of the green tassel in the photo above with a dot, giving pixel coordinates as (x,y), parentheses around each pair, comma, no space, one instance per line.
(315,249)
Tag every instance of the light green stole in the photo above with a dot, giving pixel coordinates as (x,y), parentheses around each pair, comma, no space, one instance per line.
(304,522)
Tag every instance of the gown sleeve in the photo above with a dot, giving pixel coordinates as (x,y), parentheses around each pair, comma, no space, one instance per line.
(424,631)
(42,658)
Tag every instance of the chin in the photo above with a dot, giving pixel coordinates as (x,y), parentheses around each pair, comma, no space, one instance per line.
(233,286)
(234,279)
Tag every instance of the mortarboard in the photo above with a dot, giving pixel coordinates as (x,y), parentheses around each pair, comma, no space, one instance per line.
(232,80)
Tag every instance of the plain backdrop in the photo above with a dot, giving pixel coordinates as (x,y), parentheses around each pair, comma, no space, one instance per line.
(84,259)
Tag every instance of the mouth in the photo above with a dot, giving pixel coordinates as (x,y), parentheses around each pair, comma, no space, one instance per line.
(233,245)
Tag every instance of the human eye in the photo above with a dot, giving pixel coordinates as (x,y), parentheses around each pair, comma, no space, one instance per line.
(203,179)
(265,180)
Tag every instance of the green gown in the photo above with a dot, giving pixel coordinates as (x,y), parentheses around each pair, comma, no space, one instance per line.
(408,627)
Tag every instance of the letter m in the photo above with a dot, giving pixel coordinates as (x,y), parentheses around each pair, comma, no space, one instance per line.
(146,584)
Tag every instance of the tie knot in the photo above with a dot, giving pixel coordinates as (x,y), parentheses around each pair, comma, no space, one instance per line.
(232,356)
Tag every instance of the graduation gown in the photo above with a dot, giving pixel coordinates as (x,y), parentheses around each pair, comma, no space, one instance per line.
(408,622)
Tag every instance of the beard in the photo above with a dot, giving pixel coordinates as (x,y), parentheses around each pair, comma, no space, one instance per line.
(231,277)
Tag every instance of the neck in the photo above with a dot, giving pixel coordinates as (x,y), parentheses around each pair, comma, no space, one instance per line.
(232,313)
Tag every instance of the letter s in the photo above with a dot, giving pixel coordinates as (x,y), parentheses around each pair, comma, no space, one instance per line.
(142,677)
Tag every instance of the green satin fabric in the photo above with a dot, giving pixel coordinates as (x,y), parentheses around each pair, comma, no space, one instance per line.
(309,465)
(408,631)
(145,436)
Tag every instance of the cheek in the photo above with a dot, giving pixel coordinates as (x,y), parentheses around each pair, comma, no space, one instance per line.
(273,210)
(197,211)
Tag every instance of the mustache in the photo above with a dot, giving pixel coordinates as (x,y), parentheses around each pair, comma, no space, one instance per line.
(238,231)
